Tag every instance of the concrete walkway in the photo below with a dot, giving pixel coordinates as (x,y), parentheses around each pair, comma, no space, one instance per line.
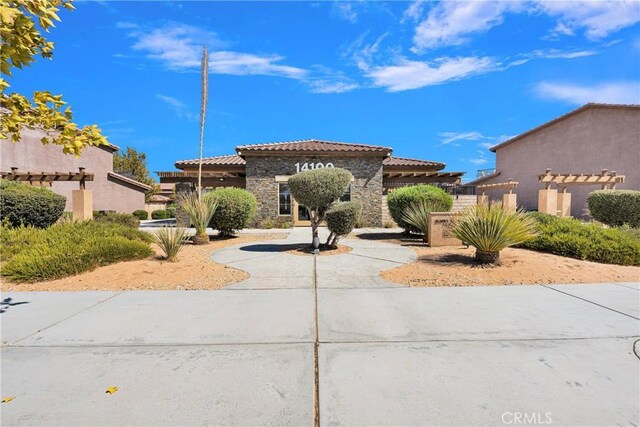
(387,354)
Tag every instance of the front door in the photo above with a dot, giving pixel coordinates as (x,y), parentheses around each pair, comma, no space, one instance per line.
(300,215)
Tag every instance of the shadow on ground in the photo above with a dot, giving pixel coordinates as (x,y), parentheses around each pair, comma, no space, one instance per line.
(398,238)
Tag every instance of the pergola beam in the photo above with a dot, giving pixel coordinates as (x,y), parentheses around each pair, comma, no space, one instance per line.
(605,179)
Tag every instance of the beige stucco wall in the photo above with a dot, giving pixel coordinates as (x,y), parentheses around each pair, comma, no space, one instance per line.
(594,139)
(108,194)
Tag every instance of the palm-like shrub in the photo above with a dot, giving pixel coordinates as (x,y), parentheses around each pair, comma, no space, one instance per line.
(417,214)
(170,241)
(401,198)
(200,211)
(491,228)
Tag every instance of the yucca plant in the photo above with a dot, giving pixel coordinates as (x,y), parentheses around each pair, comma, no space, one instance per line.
(490,228)
(200,212)
(417,214)
(170,241)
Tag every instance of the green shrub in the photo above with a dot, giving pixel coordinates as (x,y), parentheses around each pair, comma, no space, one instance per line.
(417,214)
(62,250)
(141,214)
(160,214)
(119,218)
(341,219)
(615,207)
(29,206)
(171,210)
(236,208)
(401,198)
(171,241)
(317,190)
(587,241)
(490,228)
(200,211)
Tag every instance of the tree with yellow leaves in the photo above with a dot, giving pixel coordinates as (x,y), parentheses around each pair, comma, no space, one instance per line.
(21,26)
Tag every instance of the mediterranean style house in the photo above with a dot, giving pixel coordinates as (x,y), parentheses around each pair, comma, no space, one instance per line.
(587,140)
(111,191)
(264,170)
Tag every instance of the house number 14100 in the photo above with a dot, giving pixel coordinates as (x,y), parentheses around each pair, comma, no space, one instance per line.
(306,166)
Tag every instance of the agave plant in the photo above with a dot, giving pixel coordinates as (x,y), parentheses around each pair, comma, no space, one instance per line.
(200,212)
(170,241)
(417,214)
(490,228)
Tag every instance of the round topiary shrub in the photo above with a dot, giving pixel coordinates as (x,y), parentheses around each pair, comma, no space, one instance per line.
(615,207)
(317,189)
(160,214)
(341,219)
(141,214)
(236,208)
(401,198)
(29,206)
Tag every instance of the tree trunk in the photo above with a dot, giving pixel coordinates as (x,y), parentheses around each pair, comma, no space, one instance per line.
(331,236)
(315,241)
(488,257)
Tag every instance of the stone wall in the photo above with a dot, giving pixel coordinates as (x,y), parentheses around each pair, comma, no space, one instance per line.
(366,187)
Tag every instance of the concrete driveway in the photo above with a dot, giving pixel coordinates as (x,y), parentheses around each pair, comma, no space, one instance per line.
(386,354)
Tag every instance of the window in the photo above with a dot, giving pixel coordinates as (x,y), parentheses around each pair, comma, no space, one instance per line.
(346,197)
(284,199)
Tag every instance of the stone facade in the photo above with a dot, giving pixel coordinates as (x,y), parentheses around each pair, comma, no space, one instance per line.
(261,172)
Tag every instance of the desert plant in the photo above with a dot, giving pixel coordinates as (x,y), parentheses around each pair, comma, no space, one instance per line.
(31,254)
(236,208)
(341,219)
(615,207)
(171,211)
(141,214)
(29,206)
(170,240)
(200,211)
(119,218)
(401,198)
(573,238)
(490,228)
(417,214)
(388,224)
(317,190)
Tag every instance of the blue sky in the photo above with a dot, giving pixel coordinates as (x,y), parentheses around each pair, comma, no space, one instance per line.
(438,81)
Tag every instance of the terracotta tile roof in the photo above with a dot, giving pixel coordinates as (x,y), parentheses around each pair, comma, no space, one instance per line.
(562,117)
(404,161)
(231,159)
(313,145)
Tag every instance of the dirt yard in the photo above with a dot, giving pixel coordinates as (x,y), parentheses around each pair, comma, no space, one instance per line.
(193,270)
(455,266)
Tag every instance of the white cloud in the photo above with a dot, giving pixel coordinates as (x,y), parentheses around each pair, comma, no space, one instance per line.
(479,161)
(450,137)
(597,18)
(179,47)
(407,74)
(560,54)
(179,107)
(345,10)
(327,86)
(612,92)
(450,23)
(414,11)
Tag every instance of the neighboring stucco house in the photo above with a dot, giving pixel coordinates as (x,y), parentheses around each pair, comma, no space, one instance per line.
(111,191)
(586,140)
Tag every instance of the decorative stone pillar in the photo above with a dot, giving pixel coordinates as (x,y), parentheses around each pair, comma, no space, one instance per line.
(548,201)
(509,201)
(564,204)
(483,199)
(182,188)
(82,204)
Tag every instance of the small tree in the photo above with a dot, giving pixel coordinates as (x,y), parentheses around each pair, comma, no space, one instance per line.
(134,163)
(317,190)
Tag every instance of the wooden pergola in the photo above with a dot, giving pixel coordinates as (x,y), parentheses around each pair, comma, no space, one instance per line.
(509,199)
(46,178)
